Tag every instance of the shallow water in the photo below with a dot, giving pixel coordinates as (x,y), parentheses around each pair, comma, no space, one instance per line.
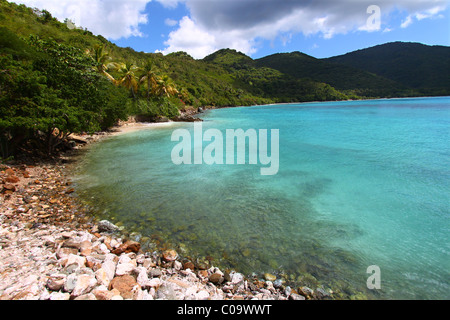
(360,183)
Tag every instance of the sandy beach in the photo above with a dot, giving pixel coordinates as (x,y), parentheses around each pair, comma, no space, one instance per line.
(136,126)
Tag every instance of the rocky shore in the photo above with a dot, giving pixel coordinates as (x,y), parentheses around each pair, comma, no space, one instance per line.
(52,248)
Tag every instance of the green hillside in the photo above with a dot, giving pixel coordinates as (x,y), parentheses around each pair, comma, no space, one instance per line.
(348,79)
(56,79)
(269,82)
(424,68)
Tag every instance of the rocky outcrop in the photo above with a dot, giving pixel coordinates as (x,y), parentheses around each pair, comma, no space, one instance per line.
(51,263)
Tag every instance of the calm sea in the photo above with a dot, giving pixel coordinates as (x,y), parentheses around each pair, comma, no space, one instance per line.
(360,183)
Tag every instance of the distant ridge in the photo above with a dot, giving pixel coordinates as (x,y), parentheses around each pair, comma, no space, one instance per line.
(415,65)
(341,77)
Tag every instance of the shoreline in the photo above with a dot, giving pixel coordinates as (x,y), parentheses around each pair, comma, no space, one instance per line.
(79,221)
(53,248)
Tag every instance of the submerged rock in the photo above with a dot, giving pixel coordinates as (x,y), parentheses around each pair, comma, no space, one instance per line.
(270,277)
(106,226)
(170,255)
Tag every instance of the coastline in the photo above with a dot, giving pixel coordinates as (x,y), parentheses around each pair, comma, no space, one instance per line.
(52,247)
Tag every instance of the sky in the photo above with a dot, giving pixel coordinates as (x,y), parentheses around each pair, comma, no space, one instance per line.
(320,28)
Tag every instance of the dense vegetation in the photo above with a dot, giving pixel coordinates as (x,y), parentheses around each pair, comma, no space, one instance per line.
(347,79)
(56,79)
(426,69)
(49,90)
(270,82)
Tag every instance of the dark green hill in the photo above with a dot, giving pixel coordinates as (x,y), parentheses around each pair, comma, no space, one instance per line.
(271,83)
(341,77)
(424,68)
(229,58)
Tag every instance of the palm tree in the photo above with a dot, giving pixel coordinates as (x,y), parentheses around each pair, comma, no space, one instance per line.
(165,87)
(128,79)
(101,58)
(149,77)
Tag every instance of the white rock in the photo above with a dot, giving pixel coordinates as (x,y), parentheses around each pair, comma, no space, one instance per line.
(202,295)
(59,296)
(142,277)
(84,284)
(177,265)
(124,268)
(110,268)
(74,259)
(45,295)
(103,248)
(155,282)
(87,296)
(56,281)
(237,278)
(102,277)
(106,226)
(114,243)
(146,295)
(124,259)
(71,282)
(190,293)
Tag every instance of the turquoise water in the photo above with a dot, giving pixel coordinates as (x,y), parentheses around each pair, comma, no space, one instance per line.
(360,183)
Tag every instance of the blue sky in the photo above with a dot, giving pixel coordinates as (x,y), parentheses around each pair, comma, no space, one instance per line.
(321,28)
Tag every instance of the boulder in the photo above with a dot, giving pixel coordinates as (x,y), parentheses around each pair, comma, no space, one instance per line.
(170,255)
(124,284)
(270,277)
(188,265)
(56,281)
(106,226)
(216,278)
(84,284)
(12,179)
(127,247)
(306,292)
(9,187)
(237,278)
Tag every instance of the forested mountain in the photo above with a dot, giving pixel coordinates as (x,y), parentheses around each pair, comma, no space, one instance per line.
(347,79)
(272,83)
(56,79)
(424,68)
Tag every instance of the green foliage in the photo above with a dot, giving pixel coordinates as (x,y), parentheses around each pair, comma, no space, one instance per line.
(48,90)
(56,79)
(348,80)
(414,65)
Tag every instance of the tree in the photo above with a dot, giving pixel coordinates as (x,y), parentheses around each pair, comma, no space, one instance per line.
(150,78)
(128,78)
(101,58)
(48,91)
(165,87)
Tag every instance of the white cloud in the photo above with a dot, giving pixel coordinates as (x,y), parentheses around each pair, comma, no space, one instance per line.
(239,24)
(433,12)
(170,3)
(407,22)
(191,39)
(170,22)
(198,42)
(112,19)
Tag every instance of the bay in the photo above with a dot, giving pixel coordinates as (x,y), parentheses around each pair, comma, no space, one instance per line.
(360,183)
